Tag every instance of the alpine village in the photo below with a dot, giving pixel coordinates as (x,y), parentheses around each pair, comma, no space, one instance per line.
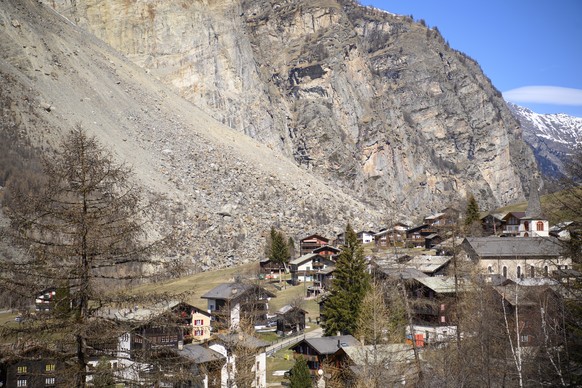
(255,193)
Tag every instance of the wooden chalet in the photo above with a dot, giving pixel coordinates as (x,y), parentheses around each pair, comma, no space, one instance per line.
(305,267)
(511,222)
(267,267)
(328,251)
(493,224)
(311,242)
(321,281)
(430,265)
(527,303)
(392,236)
(33,367)
(206,364)
(251,359)
(432,240)
(317,350)
(229,303)
(290,319)
(445,219)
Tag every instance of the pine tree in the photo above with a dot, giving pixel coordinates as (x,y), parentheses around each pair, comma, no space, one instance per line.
(299,375)
(349,286)
(472,213)
(277,248)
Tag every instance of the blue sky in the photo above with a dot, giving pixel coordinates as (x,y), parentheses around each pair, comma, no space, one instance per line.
(530,49)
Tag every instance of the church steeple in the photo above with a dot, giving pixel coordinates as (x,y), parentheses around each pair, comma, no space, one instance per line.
(534,205)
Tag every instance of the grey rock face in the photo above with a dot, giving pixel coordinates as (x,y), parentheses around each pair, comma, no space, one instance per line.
(224,190)
(371,101)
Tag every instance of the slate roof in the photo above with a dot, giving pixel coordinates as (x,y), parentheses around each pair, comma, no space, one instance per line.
(517,247)
(428,264)
(327,248)
(302,259)
(285,309)
(440,284)
(514,296)
(403,273)
(230,291)
(244,340)
(200,354)
(384,354)
(330,345)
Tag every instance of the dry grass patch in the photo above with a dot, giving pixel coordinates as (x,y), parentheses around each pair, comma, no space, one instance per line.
(192,287)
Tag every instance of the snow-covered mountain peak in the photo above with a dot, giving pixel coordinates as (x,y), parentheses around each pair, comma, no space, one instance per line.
(553,137)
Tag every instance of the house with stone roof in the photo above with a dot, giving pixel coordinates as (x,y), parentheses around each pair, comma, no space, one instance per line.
(317,350)
(229,303)
(515,257)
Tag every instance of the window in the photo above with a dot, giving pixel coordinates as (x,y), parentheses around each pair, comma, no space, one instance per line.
(524,338)
(539,226)
(490,269)
(21,383)
(545,270)
(526,225)
(519,271)
(532,271)
(442,307)
(22,369)
(443,319)
(198,322)
(49,381)
(198,333)
(49,367)
(504,271)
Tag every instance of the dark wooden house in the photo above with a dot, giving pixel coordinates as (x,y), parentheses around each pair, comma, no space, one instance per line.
(33,367)
(230,302)
(317,350)
(290,319)
(311,242)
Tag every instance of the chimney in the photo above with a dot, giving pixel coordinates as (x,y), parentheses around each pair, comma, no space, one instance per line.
(339,345)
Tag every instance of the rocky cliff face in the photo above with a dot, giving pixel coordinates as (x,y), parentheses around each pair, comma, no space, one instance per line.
(554,138)
(372,102)
(224,189)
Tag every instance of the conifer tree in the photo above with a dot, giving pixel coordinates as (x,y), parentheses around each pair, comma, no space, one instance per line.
(472,212)
(85,227)
(300,376)
(277,248)
(349,286)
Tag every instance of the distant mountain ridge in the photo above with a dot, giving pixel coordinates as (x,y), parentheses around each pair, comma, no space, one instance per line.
(553,138)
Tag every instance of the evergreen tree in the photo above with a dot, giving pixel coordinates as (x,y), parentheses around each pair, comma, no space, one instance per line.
(349,286)
(278,250)
(472,212)
(300,376)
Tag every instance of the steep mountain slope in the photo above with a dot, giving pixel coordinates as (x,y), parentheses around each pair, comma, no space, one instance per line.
(226,189)
(553,138)
(373,102)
